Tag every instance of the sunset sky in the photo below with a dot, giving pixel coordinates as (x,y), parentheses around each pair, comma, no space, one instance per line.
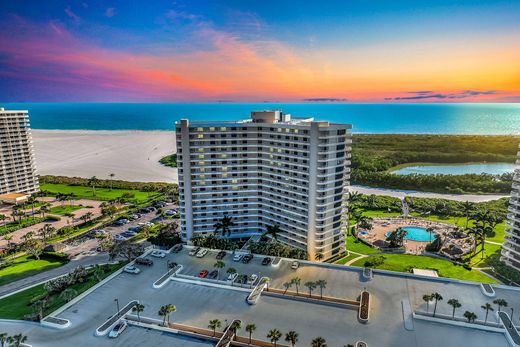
(238,51)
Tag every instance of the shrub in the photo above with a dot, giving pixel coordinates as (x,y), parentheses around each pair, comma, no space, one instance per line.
(375,261)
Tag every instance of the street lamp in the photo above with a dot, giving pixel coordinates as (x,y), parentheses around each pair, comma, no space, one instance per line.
(117,304)
(168,265)
(511,321)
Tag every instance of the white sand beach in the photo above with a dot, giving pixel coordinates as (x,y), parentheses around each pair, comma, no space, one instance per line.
(134,156)
(130,155)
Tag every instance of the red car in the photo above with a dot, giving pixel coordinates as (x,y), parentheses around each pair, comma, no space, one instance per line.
(203,273)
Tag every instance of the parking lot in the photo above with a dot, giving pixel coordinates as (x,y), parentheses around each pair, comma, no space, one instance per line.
(197,304)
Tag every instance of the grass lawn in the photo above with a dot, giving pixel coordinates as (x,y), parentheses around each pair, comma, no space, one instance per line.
(64,209)
(380,214)
(102,194)
(346,259)
(445,268)
(489,249)
(357,246)
(26,266)
(18,305)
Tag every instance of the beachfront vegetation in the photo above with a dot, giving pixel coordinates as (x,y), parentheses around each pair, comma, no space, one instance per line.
(169,160)
(15,269)
(374,155)
(85,192)
(64,209)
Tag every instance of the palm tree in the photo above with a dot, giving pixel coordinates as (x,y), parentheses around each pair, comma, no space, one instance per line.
(437,298)
(487,306)
(467,208)
(322,284)
(138,309)
(111,175)
(470,316)
(296,281)
(455,304)
(93,181)
(3,217)
(18,339)
(162,312)
(214,324)
(43,210)
(500,303)
(287,285)
(319,342)
(318,256)
(224,225)
(430,231)
(170,309)
(219,265)
(311,286)
(274,335)
(231,271)
(292,337)
(273,231)
(250,328)
(3,339)
(235,326)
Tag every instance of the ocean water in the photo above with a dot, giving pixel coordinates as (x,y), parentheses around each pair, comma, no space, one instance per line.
(491,168)
(365,118)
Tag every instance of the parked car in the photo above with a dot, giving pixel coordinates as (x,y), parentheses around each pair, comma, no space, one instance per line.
(122,221)
(170,212)
(295,264)
(202,253)
(221,255)
(158,254)
(134,216)
(177,248)
(266,261)
(237,257)
(118,329)
(232,277)
(136,228)
(145,210)
(95,232)
(247,258)
(144,261)
(131,269)
(203,273)
(213,274)
(119,238)
(128,234)
(252,279)
(194,251)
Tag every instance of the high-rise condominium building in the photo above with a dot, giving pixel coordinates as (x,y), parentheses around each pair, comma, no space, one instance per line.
(265,171)
(511,246)
(17,169)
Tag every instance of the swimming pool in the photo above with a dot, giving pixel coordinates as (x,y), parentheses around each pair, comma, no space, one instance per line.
(417,234)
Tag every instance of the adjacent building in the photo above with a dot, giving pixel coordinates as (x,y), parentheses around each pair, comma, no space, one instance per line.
(270,169)
(511,246)
(17,170)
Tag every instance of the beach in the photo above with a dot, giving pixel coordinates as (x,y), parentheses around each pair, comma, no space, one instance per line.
(134,156)
(130,155)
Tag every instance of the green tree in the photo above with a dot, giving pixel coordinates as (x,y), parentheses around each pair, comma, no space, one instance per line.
(163,313)
(169,310)
(455,304)
(214,324)
(224,226)
(487,306)
(291,337)
(467,210)
(273,231)
(17,340)
(231,271)
(500,303)
(93,181)
(296,281)
(235,326)
(69,294)
(3,339)
(250,328)
(311,286)
(437,298)
(111,175)
(287,285)
(322,284)
(470,316)
(319,342)
(274,335)
(219,265)
(138,308)
(427,298)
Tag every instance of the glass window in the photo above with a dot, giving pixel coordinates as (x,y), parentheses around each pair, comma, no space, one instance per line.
(200,129)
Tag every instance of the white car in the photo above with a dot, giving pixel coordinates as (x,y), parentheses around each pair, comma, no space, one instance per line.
(252,279)
(237,257)
(202,253)
(158,254)
(295,265)
(118,329)
(131,269)
(232,277)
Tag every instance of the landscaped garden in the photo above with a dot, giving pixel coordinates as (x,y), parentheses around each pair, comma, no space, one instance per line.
(103,194)
(37,302)
(27,265)
(64,209)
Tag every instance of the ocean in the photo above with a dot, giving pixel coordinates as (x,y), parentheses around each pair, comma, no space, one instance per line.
(482,119)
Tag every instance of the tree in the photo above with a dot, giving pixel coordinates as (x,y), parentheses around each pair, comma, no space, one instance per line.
(274,335)
(470,316)
(467,209)
(487,306)
(292,337)
(33,247)
(111,175)
(322,284)
(93,181)
(3,217)
(455,304)
(46,231)
(224,225)
(219,265)
(287,285)
(69,294)
(319,256)
(319,342)
(430,231)
(396,237)
(17,340)
(162,312)
(235,326)
(43,210)
(231,271)
(500,303)
(214,324)
(250,328)
(365,222)
(437,298)
(427,298)
(311,286)
(273,231)
(39,307)
(138,308)
(296,281)
(3,339)
(169,310)
(125,249)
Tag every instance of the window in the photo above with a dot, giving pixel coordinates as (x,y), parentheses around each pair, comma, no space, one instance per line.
(200,136)
(200,129)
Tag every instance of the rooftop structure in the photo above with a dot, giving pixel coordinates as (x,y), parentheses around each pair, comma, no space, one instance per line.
(17,169)
(511,246)
(270,169)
